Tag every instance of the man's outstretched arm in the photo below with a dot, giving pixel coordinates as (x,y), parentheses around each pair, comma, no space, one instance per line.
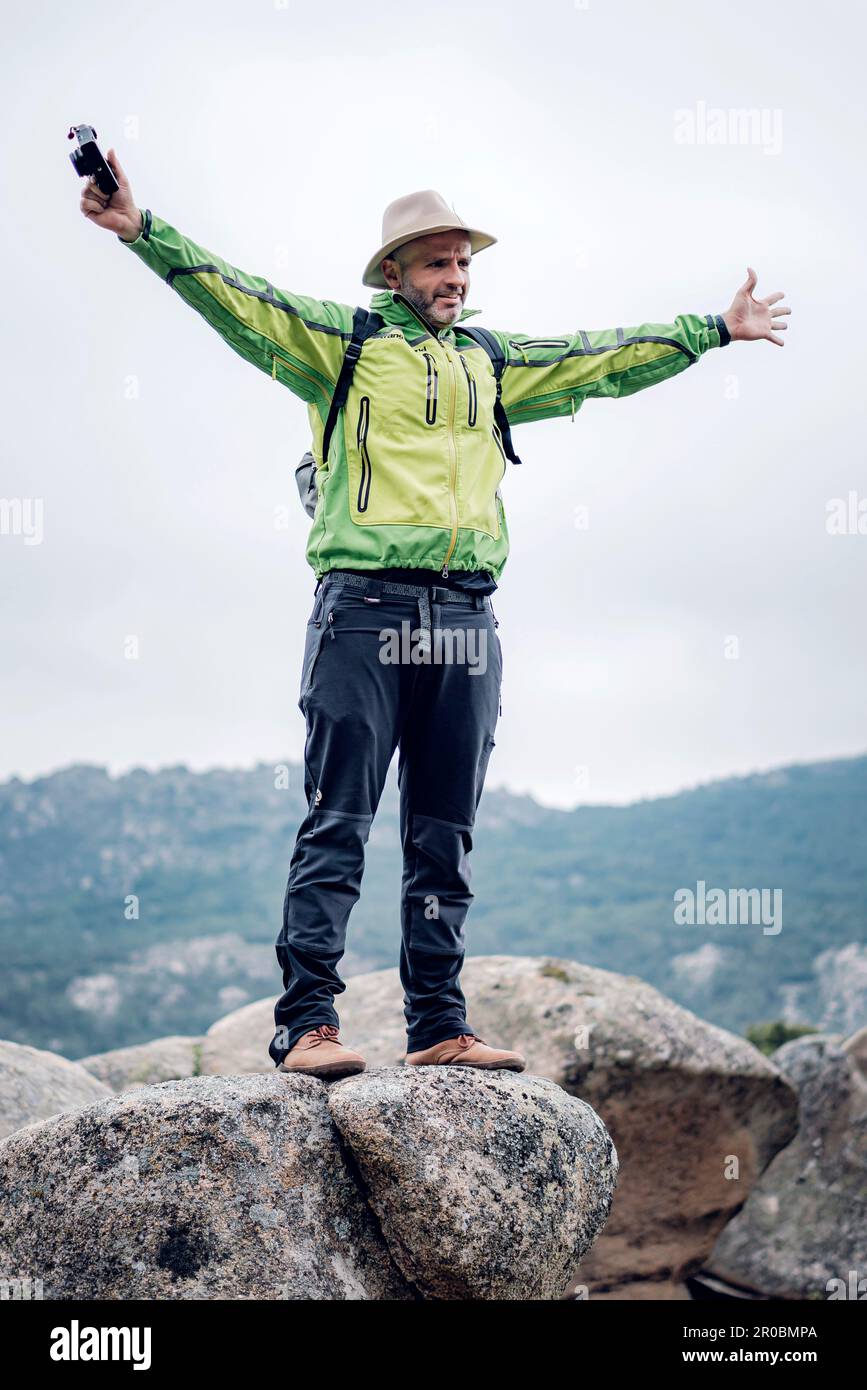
(553,376)
(297,340)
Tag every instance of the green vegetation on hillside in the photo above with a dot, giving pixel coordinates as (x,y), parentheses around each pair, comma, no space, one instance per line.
(207,856)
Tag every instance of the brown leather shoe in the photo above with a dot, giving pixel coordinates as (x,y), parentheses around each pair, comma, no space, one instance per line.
(318,1053)
(467,1050)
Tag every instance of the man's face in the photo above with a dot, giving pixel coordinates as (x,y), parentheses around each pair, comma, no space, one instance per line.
(435,276)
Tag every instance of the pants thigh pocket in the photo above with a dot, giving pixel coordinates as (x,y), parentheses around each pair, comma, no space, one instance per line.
(312,648)
(318,605)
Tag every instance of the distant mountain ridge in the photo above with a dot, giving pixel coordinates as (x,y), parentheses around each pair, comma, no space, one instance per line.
(203,859)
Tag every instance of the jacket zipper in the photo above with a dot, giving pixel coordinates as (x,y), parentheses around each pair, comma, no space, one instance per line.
(471,387)
(453,463)
(430,410)
(452,446)
(543,405)
(366,470)
(537,343)
(299,371)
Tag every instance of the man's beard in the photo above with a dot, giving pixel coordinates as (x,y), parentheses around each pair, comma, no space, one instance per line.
(423,306)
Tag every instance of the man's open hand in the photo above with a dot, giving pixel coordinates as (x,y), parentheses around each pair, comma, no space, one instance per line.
(116,212)
(748,318)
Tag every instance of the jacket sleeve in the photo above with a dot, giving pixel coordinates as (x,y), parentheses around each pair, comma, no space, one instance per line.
(297,341)
(548,377)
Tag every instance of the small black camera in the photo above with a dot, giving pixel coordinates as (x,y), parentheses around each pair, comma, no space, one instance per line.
(87,159)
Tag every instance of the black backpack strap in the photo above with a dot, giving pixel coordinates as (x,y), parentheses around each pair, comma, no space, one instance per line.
(364,323)
(490,343)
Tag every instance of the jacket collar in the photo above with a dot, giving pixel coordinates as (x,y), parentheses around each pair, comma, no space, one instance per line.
(396,310)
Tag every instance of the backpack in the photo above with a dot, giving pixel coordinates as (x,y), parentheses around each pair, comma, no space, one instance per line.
(364,324)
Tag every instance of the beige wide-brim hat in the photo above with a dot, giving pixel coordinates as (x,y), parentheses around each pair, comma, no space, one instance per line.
(418,214)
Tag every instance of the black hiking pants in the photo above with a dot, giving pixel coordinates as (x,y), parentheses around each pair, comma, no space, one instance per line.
(418,669)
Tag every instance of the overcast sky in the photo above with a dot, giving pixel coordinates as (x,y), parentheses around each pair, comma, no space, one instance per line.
(578,134)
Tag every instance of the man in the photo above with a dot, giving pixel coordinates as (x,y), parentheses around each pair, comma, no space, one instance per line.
(409,521)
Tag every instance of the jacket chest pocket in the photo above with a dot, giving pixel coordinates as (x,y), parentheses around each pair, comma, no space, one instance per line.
(472,395)
(396,453)
(363,496)
(482,467)
(432,390)
(482,459)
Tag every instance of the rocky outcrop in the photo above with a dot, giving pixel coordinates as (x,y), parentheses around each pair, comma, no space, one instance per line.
(146,1064)
(696,1113)
(388,1185)
(486,1185)
(223,1187)
(36,1084)
(805,1224)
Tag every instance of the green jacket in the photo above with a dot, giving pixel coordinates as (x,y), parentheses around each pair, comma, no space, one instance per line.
(416,460)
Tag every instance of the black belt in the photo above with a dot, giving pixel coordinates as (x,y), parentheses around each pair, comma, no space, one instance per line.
(426,594)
